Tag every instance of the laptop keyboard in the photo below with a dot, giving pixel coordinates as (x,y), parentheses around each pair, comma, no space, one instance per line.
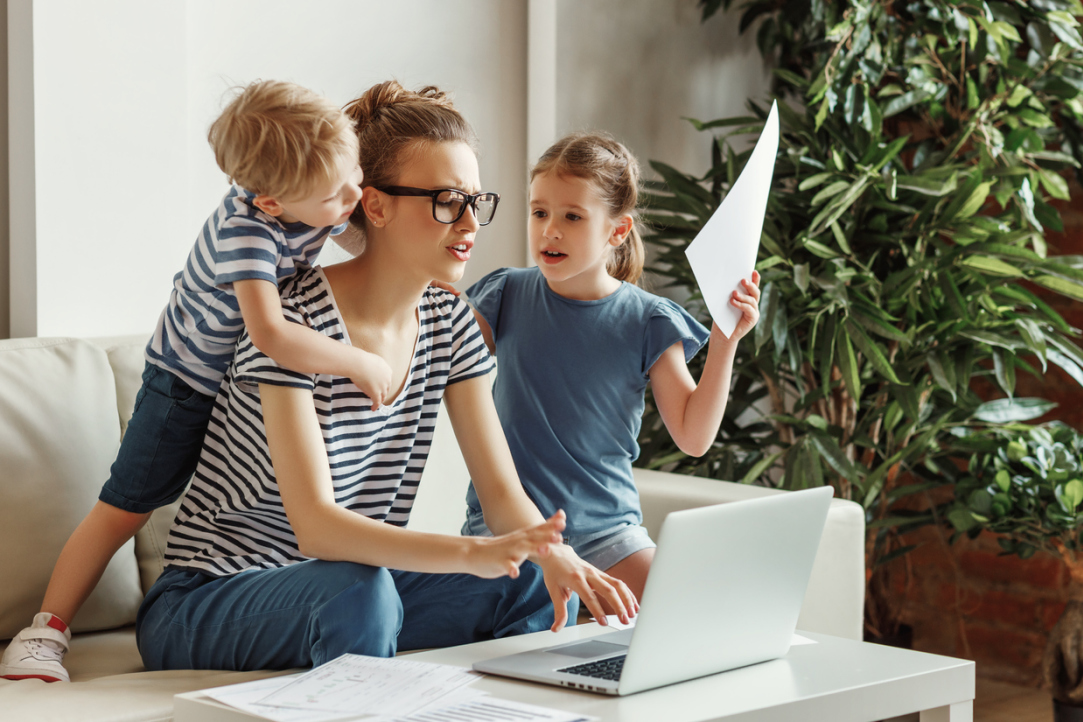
(602,669)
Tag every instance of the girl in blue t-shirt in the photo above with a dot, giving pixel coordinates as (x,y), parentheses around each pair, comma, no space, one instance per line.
(577,342)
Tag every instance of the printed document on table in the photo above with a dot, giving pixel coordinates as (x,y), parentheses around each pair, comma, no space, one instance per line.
(246,695)
(484,708)
(724,251)
(356,684)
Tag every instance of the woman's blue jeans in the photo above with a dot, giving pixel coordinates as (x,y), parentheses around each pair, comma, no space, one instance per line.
(305,614)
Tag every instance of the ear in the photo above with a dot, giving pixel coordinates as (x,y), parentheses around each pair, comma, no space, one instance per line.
(377,207)
(620,231)
(269,205)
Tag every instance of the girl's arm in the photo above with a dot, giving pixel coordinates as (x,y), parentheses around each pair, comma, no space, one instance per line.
(303,349)
(325,530)
(507,507)
(692,412)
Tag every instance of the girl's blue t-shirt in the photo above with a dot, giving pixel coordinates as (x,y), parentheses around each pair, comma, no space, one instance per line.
(570,389)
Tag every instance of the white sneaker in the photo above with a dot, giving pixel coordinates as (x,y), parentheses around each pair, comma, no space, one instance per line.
(38,651)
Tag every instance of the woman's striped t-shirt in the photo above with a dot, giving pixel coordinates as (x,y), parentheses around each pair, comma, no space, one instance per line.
(232,518)
(198,330)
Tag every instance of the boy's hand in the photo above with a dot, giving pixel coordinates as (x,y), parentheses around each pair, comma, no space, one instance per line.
(492,557)
(372,375)
(445,286)
(748,303)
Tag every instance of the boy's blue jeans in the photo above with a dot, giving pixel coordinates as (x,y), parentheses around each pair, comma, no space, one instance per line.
(305,614)
(161,447)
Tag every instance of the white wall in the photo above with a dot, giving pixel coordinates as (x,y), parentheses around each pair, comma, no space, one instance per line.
(636,67)
(123,92)
(110,101)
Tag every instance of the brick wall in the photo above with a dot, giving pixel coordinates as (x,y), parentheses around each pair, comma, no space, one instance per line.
(967,601)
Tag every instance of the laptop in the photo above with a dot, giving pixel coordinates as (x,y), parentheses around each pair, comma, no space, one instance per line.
(724,591)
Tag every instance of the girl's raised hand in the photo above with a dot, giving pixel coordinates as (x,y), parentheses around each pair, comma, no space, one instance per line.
(492,557)
(748,303)
(445,286)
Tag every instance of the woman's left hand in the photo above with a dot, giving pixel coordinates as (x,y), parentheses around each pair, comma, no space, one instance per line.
(748,303)
(565,573)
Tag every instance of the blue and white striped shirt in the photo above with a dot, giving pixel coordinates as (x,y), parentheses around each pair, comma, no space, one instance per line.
(198,330)
(232,518)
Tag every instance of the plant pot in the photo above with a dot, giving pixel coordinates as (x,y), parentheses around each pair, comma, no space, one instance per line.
(1064,712)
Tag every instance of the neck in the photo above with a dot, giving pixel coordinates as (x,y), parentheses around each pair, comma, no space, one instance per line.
(586,288)
(374,292)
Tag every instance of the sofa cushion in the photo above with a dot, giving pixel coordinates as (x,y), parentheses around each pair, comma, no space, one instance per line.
(108,684)
(59,433)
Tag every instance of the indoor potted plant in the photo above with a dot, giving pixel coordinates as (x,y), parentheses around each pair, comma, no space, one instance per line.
(1025,483)
(902,242)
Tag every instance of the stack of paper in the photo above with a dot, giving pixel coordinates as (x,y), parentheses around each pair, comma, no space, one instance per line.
(379,690)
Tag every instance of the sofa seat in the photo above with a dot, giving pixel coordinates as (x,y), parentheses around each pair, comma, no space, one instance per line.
(64,404)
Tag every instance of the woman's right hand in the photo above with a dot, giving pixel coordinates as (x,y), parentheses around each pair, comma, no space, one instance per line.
(492,557)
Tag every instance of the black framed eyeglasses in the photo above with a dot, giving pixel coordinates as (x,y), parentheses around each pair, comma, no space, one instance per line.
(448,204)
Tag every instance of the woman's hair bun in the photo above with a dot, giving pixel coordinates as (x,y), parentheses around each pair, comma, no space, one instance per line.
(379,98)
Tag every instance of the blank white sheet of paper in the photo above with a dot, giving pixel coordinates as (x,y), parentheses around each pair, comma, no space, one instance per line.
(724,251)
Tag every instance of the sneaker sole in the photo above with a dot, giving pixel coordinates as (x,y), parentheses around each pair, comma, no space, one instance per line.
(42,677)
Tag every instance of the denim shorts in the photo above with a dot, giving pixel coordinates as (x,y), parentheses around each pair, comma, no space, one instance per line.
(161,447)
(601,549)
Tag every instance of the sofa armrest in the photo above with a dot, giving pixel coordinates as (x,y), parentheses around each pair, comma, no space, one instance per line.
(835,600)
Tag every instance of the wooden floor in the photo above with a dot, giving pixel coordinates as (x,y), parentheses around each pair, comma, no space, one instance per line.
(1002,702)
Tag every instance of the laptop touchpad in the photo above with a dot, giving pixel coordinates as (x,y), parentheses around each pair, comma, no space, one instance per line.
(584,650)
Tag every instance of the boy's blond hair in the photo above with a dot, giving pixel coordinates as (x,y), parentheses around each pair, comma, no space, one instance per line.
(281,140)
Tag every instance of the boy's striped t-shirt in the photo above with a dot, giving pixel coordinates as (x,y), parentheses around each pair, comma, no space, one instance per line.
(232,518)
(198,330)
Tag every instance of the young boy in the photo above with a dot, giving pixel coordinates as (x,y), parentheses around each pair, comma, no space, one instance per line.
(292,158)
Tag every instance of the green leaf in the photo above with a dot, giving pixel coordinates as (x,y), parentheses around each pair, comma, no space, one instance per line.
(840,238)
(1003,411)
(769,299)
(1034,119)
(833,210)
(972,204)
(1070,367)
(928,186)
(833,455)
(848,363)
(800,276)
(760,467)
(872,352)
(1061,285)
(939,374)
(830,192)
(1033,336)
(1004,369)
(818,249)
(991,265)
(900,103)
(1054,184)
(962,519)
(1073,494)
(814,180)
(991,338)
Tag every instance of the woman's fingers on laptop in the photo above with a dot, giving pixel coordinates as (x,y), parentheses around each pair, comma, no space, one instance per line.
(615,595)
(560,596)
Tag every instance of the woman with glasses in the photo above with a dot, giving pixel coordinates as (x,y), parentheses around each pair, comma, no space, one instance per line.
(290,548)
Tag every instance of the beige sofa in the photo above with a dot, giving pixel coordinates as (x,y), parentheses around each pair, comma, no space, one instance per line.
(64,404)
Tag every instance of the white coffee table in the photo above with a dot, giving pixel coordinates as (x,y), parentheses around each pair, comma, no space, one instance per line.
(834,679)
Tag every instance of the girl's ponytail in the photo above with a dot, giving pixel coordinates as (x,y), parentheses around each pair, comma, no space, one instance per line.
(614,172)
